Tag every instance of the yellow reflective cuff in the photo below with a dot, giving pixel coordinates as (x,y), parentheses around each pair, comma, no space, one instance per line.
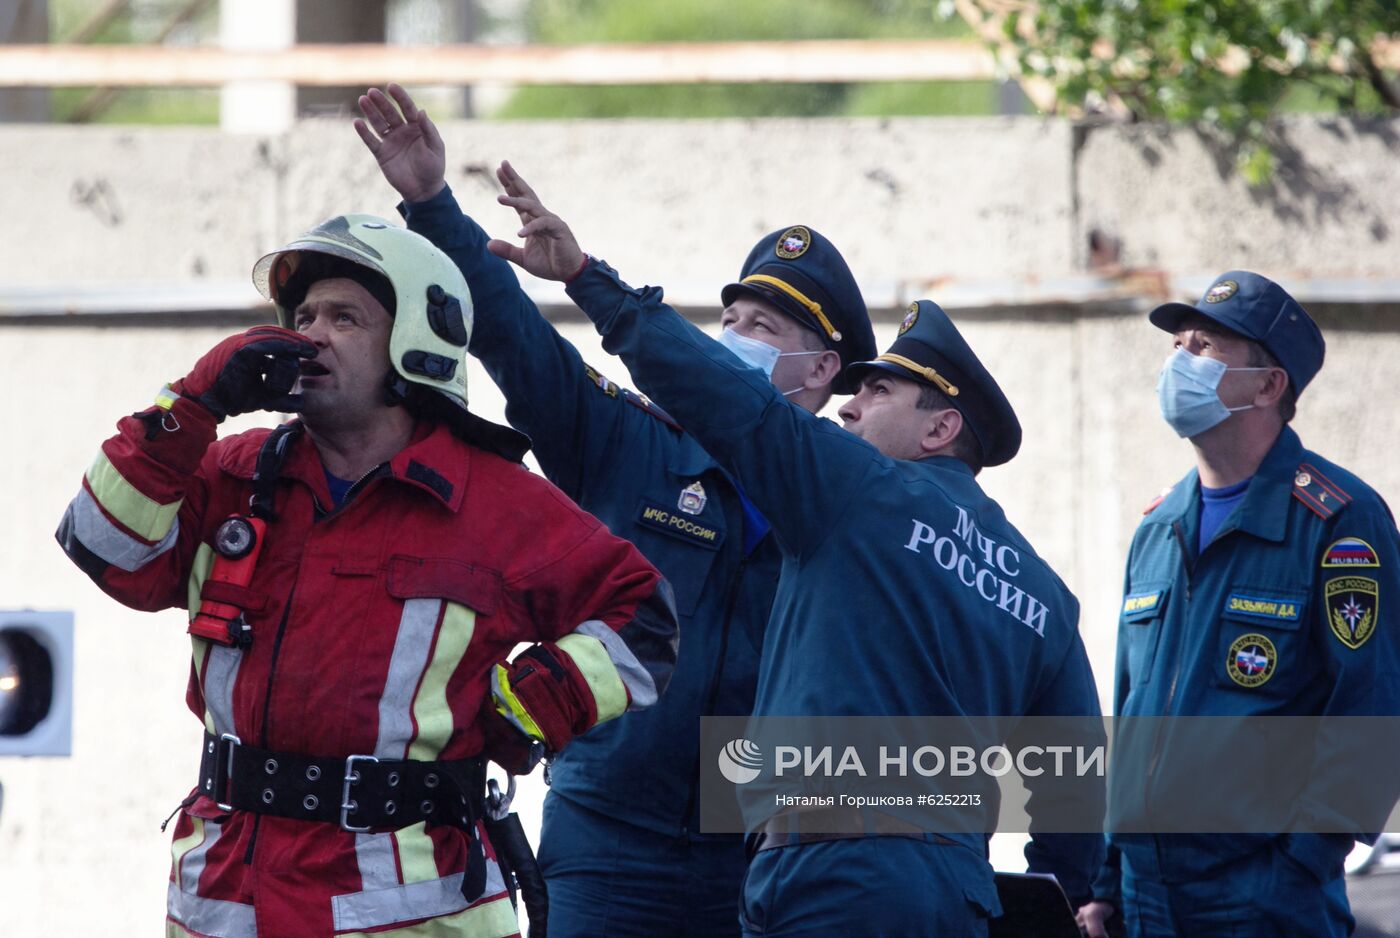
(812,306)
(598,670)
(944,385)
(143,516)
(431,709)
(166,398)
(510,707)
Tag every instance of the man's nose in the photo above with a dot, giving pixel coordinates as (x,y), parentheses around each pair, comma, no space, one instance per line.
(849,411)
(316,332)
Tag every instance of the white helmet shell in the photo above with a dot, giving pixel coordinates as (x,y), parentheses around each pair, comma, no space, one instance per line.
(433,314)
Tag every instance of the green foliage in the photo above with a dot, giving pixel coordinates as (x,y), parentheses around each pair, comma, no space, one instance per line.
(132,105)
(1229,64)
(603,21)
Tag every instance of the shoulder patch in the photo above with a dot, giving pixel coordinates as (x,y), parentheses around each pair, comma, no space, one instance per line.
(1161,497)
(603,384)
(1320,494)
(1350,552)
(1353,608)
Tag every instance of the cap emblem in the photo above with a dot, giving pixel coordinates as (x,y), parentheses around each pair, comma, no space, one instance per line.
(910,318)
(793,243)
(1222,291)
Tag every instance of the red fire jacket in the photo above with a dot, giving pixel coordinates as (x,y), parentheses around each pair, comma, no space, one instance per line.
(376,628)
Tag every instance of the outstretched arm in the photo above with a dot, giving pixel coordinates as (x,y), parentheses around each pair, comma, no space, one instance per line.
(797,468)
(578,424)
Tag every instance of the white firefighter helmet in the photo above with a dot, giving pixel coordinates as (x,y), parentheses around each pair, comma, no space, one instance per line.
(431,304)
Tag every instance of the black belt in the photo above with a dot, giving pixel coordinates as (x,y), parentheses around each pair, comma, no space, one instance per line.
(823,824)
(357,792)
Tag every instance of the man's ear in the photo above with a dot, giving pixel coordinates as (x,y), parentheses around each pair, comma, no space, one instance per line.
(825,368)
(941,428)
(1268,395)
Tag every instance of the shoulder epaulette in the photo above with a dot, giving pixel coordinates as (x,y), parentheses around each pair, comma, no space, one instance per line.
(640,401)
(1318,492)
(646,404)
(1152,505)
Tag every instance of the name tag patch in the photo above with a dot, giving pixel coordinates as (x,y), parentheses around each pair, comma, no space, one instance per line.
(678,525)
(1263,607)
(1142,602)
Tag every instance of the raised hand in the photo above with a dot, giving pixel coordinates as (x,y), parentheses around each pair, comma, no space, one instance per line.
(404,141)
(254,370)
(550,251)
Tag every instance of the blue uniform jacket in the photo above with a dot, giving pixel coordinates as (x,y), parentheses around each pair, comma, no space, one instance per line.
(904,589)
(634,469)
(1246,627)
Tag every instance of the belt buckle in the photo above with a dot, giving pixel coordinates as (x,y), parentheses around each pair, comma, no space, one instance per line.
(223,769)
(346,805)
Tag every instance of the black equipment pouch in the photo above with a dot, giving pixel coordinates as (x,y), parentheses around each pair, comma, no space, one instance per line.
(516,858)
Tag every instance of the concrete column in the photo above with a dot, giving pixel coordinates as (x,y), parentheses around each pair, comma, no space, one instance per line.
(267,107)
(24,21)
(337,21)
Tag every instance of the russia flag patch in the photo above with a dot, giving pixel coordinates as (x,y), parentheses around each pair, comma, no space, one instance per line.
(1350,552)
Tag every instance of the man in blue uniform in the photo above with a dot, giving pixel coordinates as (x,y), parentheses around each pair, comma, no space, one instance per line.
(620,849)
(1254,587)
(904,589)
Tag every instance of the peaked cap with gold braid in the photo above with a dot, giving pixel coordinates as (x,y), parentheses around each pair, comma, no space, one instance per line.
(929,349)
(801,273)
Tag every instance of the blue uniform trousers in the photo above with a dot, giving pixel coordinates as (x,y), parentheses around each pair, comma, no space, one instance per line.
(591,863)
(872,887)
(1265,894)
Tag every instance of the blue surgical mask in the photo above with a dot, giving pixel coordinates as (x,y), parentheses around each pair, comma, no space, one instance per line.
(1187,390)
(757,354)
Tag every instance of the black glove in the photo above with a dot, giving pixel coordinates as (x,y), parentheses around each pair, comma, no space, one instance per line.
(251,371)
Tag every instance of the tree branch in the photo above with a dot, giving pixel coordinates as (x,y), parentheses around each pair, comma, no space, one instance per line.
(1389,93)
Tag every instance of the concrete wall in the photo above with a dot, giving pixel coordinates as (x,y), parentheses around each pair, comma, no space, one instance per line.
(673,203)
(910,200)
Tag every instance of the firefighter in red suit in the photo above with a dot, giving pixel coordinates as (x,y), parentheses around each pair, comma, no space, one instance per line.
(356,580)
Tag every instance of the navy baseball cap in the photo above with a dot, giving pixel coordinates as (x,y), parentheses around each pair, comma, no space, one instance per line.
(1258,309)
(801,273)
(929,349)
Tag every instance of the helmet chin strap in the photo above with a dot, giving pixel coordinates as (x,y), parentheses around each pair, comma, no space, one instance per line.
(395,389)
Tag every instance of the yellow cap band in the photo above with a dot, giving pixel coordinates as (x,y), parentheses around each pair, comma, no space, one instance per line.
(942,382)
(812,307)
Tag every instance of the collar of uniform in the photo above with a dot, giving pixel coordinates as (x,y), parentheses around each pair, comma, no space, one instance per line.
(1181,499)
(946,462)
(436,462)
(1265,510)
(690,459)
